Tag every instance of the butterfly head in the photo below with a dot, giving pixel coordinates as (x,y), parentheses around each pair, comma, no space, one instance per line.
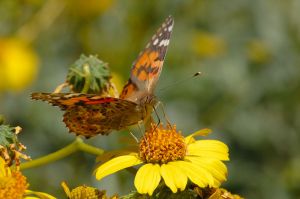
(149,99)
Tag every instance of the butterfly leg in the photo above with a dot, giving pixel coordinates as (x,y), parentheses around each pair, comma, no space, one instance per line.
(134,137)
(158,119)
(140,130)
(161,105)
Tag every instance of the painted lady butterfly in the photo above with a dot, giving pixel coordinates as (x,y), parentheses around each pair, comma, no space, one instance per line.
(91,114)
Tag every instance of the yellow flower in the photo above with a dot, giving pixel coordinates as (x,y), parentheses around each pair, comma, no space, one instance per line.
(208,45)
(215,193)
(13,185)
(18,64)
(167,155)
(258,52)
(84,192)
(91,9)
(40,195)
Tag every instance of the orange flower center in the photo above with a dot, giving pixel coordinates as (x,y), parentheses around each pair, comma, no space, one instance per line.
(13,186)
(86,192)
(162,145)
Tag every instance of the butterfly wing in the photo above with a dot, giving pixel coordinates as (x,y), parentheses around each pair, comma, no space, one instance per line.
(89,114)
(93,119)
(147,67)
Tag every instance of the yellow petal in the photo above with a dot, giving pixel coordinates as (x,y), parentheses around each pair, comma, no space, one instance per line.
(40,195)
(2,167)
(117,164)
(203,132)
(195,173)
(147,178)
(4,170)
(209,148)
(215,167)
(173,177)
(66,188)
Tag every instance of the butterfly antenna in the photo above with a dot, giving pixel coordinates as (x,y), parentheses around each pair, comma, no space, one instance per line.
(132,134)
(181,81)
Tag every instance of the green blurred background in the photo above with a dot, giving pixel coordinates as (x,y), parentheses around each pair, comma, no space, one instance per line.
(248,94)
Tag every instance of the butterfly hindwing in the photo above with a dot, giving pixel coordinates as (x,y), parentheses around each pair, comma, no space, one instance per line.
(92,119)
(90,114)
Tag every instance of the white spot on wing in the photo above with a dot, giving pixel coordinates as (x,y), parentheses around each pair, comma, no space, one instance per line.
(161,43)
(167,42)
(164,42)
(170,28)
(155,41)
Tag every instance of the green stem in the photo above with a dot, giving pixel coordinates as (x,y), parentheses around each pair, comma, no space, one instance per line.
(87,81)
(90,149)
(77,145)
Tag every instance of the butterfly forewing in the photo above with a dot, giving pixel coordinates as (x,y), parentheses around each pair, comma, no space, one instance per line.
(147,67)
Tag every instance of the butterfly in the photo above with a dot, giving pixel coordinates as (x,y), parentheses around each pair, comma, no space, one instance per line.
(91,114)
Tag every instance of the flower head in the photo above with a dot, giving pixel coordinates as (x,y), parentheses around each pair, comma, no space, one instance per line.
(83,192)
(12,183)
(162,146)
(170,157)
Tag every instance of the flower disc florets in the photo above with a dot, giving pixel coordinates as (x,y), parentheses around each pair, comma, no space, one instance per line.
(13,185)
(162,145)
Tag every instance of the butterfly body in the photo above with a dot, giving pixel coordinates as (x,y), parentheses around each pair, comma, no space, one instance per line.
(92,114)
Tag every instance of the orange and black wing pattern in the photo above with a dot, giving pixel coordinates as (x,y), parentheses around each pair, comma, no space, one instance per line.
(89,115)
(147,67)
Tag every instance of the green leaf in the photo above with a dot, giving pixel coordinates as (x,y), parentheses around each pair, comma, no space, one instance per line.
(7,136)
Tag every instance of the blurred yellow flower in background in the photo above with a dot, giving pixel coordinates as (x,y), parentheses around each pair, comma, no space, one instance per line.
(18,64)
(89,8)
(207,44)
(117,82)
(258,52)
